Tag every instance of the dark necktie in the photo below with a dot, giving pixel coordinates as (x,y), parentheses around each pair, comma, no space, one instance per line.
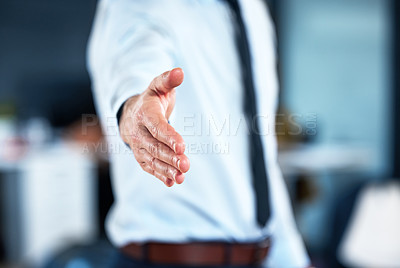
(260,179)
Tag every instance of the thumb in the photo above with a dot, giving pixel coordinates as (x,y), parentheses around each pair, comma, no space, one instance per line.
(167,81)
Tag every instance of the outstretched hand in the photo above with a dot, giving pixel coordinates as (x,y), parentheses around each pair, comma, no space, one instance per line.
(157,147)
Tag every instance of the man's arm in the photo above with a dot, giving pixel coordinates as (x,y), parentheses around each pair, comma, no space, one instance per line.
(124,34)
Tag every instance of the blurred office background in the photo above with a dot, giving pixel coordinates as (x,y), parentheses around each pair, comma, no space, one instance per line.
(337,127)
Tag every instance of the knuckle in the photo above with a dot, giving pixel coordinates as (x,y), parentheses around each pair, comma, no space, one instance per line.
(136,151)
(146,168)
(155,148)
(155,130)
(163,178)
(168,139)
(171,172)
(143,165)
(141,151)
(159,146)
(166,169)
(159,176)
(152,163)
(174,160)
(150,171)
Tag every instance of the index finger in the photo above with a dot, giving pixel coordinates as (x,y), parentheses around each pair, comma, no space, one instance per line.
(160,129)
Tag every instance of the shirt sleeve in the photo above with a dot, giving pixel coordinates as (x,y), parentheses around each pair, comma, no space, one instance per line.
(129,46)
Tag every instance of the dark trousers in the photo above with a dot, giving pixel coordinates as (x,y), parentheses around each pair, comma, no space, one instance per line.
(120,260)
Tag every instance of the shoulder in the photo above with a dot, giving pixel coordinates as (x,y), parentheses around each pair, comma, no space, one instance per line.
(144,7)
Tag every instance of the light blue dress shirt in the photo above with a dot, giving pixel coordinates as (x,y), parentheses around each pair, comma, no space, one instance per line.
(134,41)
